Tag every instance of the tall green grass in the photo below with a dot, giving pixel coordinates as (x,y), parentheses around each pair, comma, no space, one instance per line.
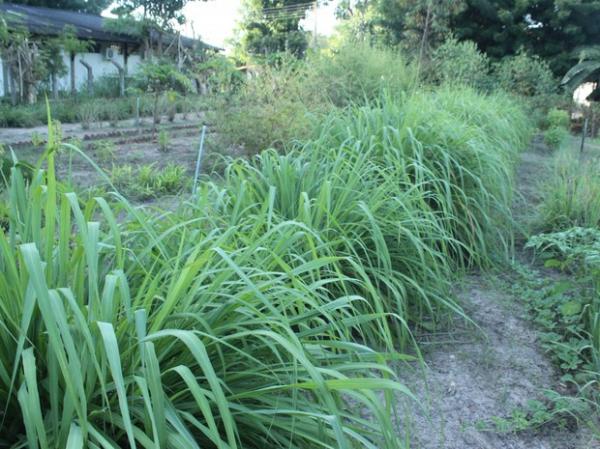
(403,192)
(261,314)
(152,332)
(571,194)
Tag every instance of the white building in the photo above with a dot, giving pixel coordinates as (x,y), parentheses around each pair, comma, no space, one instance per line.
(109,50)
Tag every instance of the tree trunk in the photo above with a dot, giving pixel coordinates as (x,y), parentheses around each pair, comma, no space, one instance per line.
(425,35)
(90,77)
(5,77)
(121,77)
(54,79)
(13,88)
(73,86)
(155,113)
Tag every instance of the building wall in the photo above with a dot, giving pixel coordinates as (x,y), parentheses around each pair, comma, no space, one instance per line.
(1,78)
(101,67)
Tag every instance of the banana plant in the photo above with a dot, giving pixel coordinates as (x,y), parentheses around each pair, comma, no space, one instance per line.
(587,70)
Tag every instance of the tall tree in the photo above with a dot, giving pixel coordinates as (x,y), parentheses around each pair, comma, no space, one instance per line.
(551,29)
(163,13)
(272,26)
(88,6)
(416,25)
(150,18)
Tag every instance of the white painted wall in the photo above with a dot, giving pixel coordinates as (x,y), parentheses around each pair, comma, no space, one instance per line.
(1,79)
(101,67)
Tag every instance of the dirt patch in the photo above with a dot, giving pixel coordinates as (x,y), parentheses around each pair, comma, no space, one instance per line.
(477,373)
(480,374)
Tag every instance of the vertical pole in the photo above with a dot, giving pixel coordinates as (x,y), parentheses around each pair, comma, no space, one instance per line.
(315,25)
(199,160)
(137,111)
(585,125)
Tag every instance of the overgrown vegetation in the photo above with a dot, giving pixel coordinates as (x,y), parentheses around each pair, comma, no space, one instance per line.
(571,196)
(270,294)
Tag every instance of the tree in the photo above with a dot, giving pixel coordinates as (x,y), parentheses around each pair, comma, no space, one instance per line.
(418,26)
(24,59)
(551,29)
(88,6)
(72,45)
(52,56)
(272,26)
(160,77)
(157,17)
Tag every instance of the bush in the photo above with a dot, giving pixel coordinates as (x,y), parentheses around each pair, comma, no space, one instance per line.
(104,150)
(87,114)
(164,141)
(554,137)
(270,110)
(460,63)
(148,181)
(557,118)
(525,75)
(571,195)
(359,72)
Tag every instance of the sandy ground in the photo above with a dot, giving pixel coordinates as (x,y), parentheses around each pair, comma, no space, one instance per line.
(473,374)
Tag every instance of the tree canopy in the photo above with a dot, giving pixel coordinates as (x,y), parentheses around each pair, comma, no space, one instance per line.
(551,29)
(272,26)
(88,6)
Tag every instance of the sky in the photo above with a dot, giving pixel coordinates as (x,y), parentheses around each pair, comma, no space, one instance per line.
(214,21)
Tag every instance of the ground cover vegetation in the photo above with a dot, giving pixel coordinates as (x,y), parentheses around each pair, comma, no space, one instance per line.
(267,309)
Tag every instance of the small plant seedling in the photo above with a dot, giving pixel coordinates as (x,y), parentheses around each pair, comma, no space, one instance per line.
(121,176)
(104,150)
(76,142)
(164,141)
(37,140)
(87,114)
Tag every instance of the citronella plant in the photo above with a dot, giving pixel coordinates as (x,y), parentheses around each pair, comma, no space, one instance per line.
(154,332)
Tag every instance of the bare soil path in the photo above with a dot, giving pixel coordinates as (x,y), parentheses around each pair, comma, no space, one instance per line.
(474,375)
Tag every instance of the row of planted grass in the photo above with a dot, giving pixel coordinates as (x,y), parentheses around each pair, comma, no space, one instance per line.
(158,333)
(404,191)
(248,318)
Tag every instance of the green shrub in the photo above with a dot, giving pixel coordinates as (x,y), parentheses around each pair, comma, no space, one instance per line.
(555,137)
(557,118)
(355,73)
(37,139)
(525,75)
(270,110)
(530,78)
(164,141)
(460,63)
(171,179)
(121,176)
(87,114)
(148,181)
(571,195)
(104,150)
